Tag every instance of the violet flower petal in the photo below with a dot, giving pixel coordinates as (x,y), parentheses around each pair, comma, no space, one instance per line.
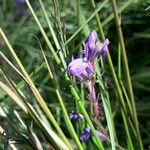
(104,48)
(21,7)
(75,115)
(80,68)
(86,134)
(20,2)
(93,47)
(101,135)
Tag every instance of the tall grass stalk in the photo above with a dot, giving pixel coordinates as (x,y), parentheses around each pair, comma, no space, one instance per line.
(53,35)
(72,88)
(100,6)
(126,68)
(22,101)
(124,111)
(57,90)
(35,92)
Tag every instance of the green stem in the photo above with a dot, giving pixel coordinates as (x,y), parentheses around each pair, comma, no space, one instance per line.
(119,62)
(127,72)
(43,33)
(122,8)
(107,109)
(98,21)
(35,92)
(53,35)
(82,108)
(57,90)
(83,25)
(124,111)
(78,11)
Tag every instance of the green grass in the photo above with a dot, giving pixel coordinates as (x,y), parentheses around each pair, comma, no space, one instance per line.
(36,90)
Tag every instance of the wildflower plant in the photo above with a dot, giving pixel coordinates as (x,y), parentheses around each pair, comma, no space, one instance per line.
(49,109)
(84,68)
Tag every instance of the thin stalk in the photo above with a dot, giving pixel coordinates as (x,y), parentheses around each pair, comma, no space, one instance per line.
(124,111)
(127,98)
(58,27)
(122,8)
(83,93)
(57,90)
(82,108)
(119,62)
(78,12)
(68,122)
(129,142)
(43,33)
(107,109)
(121,83)
(83,25)
(35,92)
(126,68)
(53,34)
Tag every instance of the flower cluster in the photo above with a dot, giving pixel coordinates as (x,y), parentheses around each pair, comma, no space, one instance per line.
(82,67)
(87,134)
(87,131)
(93,47)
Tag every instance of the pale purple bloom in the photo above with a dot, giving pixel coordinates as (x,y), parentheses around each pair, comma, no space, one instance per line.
(93,47)
(86,134)
(101,135)
(75,115)
(20,2)
(21,7)
(80,68)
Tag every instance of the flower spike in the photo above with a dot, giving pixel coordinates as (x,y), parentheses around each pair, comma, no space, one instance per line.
(80,68)
(93,47)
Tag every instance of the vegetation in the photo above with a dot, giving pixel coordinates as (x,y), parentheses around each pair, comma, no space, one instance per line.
(38,40)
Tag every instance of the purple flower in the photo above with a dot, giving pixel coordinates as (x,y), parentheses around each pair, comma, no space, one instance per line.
(20,2)
(75,115)
(80,68)
(101,135)
(21,7)
(86,134)
(93,47)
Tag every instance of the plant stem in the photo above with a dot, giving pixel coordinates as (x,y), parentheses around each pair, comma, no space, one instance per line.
(83,25)
(35,92)
(43,33)
(119,92)
(126,68)
(53,77)
(53,34)
(83,110)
